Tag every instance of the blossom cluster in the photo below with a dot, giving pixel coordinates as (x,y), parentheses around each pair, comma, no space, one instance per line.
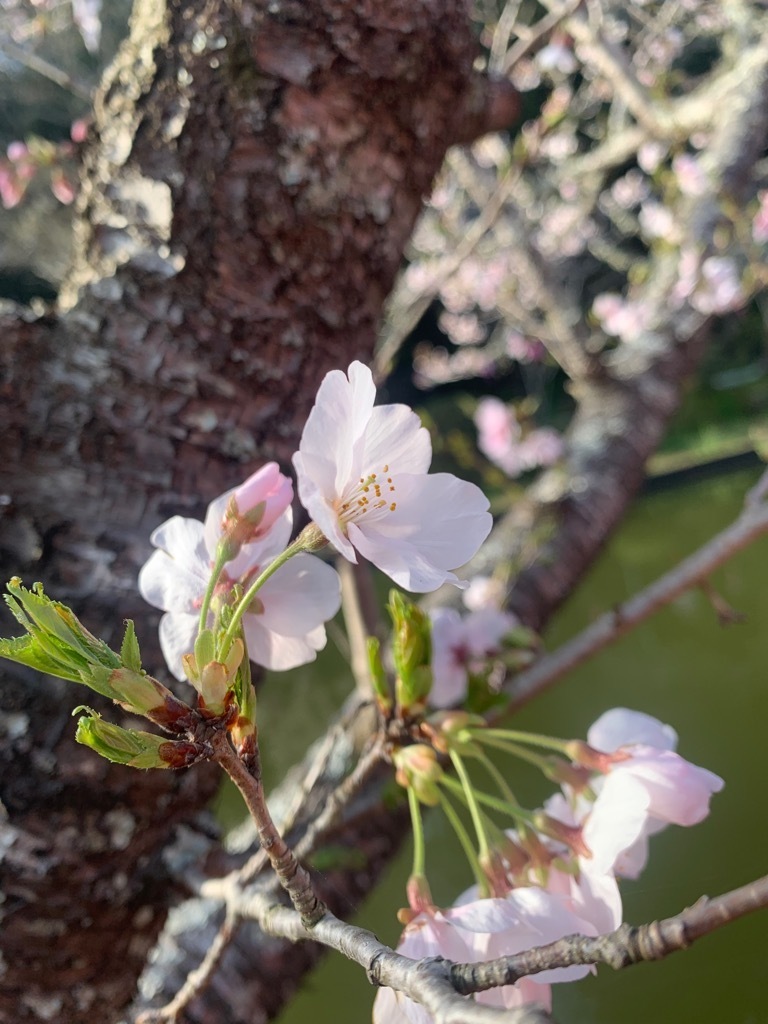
(362,475)
(557,872)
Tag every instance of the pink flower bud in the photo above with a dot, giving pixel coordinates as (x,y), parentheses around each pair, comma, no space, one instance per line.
(267,487)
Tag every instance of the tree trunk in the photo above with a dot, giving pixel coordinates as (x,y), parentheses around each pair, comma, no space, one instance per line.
(251,179)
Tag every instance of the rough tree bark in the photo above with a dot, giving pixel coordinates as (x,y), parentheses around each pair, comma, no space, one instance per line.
(252,176)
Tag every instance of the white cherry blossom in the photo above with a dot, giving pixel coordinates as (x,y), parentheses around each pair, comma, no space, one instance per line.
(362,473)
(284,626)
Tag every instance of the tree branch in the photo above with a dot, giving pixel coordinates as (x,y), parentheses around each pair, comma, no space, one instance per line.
(629,944)
(692,572)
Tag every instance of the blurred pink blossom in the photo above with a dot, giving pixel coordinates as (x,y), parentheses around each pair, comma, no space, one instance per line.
(620,317)
(462,329)
(760,221)
(463,646)
(524,350)
(657,221)
(62,187)
(78,132)
(690,175)
(650,155)
(630,190)
(501,439)
(715,288)
(483,592)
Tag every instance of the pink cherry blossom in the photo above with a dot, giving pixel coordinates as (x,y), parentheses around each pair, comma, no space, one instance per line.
(251,510)
(474,930)
(500,438)
(284,627)
(362,474)
(461,646)
(645,786)
(690,175)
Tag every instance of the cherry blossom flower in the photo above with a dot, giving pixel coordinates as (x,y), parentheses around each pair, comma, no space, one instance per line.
(284,626)
(644,787)
(362,474)
(483,592)
(501,439)
(474,930)
(461,646)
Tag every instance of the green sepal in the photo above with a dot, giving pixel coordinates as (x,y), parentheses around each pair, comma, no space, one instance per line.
(130,655)
(205,647)
(379,681)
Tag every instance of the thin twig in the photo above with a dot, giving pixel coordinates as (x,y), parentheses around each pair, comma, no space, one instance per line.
(751,524)
(198,979)
(538,34)
(293,877)
(626,946)
(356,630)
(426,982)
(36,63)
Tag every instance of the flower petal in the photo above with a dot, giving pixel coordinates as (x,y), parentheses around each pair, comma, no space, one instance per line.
(177,637)
(183,540)
(170,585)
(438,524)
(279,653)
(303,593)
(394,437)
(620,727)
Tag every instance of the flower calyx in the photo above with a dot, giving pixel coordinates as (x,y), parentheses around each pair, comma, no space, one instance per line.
(214,680)
(418,768)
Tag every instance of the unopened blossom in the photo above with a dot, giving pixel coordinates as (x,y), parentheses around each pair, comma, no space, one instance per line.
(283,627)
(248,512)
(462,646)
(362,473)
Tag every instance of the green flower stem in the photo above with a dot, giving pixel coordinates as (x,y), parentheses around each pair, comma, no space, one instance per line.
(466,843)
(530,738)
(537,760)
(498,778)
(218,565)
(511,810)
(239,611)
(418,833)
(472,804)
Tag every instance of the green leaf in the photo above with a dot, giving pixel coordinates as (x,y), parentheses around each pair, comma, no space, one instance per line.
(27,650)
(130,655)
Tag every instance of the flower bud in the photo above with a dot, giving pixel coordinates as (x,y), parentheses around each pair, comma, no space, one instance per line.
(213,680)
(379,681)
(450,730)
(411,651)
(418,768)
(254,507)
(131,747)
